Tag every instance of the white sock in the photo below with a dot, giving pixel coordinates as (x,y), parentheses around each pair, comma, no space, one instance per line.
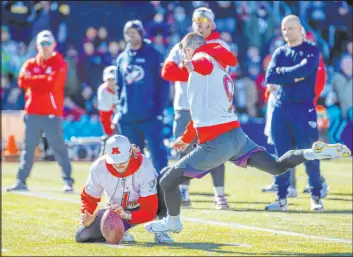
(218,191)
(309,154)
(184,189)
(173,219)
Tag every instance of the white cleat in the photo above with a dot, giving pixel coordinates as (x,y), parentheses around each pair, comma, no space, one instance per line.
(292,192)
(278,205)
(163,238)
(128,238)
(160,226)
(316,204)
(68,189)
(330,151)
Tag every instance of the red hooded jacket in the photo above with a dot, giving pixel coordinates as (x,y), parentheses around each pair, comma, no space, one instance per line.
(44,83)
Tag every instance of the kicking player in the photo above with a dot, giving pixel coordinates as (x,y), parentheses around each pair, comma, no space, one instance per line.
(172,70)
(129,180)
(106,103)
(294,68)
(219,136)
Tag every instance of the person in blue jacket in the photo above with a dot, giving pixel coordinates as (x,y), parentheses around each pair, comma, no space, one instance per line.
(293,67)
(142,94)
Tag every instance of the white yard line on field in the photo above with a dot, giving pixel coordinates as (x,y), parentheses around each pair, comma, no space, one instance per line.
(4,250)
(209,222)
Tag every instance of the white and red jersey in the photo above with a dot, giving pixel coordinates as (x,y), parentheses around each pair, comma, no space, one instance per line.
(106,104)
(210,94)
(135,190)
(172,72)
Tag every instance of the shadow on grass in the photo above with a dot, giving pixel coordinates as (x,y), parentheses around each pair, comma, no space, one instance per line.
(339,199)
(235,202)
(205,194)
(340,194)
(209,247)
(303,254)
(289,211)
(215,248)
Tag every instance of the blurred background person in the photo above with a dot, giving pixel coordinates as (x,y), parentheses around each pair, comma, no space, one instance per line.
(142,94)
(43,79)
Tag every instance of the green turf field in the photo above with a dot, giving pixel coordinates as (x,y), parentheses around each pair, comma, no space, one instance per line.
(43,222)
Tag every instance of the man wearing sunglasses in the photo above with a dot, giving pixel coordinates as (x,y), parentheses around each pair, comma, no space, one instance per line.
(173,71)
(43,78)
(129,180)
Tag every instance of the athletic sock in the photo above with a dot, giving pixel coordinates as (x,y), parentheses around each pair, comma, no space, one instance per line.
(173,220)
(218,191)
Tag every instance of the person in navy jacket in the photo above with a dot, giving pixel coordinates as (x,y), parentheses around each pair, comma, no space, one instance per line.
(142,93)
(293,67)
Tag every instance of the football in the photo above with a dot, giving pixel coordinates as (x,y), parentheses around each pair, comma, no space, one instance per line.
(112,227)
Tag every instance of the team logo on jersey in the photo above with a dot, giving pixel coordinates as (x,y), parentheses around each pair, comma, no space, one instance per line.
(115,150)
(152,183)
(229,88)
(48,70)
(140,60)
(133,74)
(312,124)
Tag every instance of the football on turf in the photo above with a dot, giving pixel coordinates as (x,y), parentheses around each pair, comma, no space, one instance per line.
(112,227)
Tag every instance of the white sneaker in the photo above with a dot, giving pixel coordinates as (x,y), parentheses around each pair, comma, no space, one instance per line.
(316,204)
(278,205)
(159,226)
(330,151)
(163,238)
(68,189)
(292,192)
(221,203)
(271,189)
(128,238)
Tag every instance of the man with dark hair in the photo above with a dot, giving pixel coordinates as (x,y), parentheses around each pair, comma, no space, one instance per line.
(142,94)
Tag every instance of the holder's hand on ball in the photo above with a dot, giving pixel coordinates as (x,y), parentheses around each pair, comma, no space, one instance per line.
(125,215)
(86,219)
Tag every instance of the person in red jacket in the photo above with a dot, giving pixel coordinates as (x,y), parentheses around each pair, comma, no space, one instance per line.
(43,78)
(130,181)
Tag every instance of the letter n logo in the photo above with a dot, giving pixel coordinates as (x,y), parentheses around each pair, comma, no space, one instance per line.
(115,150)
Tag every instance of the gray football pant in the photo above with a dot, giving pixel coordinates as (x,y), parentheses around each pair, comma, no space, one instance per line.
(52,127)
(181,120)
(234,146)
